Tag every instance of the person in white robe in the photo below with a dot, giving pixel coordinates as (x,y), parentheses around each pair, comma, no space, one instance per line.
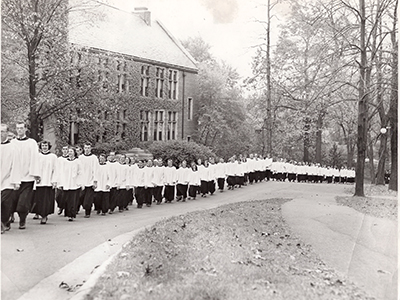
(194,181)
(10,182)
(158,180)
(220,174)
(60,199)
(71,183)
(170,179)
(114,165)
(183,174)
(89,163)
(102,190)
(28,170)
(44,198)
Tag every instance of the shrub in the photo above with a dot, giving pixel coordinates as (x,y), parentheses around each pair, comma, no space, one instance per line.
(179,151)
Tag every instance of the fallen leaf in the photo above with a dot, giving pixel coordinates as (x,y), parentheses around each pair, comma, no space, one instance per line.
(20,250)
(122,274)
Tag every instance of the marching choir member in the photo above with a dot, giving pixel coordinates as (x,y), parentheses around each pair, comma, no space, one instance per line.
(194,181)
(45,190)
(78,150)
(60,199)
(89,164)
(290,169)
(183,175)
(211,176)
(203,172)
(131,177)
(158,180)
(231,174)
(170,178)
(102,189)
(139,184)
(251,168)
(268,164)
(113,179)
(239,176)
(28,170)
(257,168)
(220,174)
(148,182)
(129,187)
(71,182)
(122,190)
(9,178)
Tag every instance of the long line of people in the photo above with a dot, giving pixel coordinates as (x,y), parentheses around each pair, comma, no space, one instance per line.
(33,179)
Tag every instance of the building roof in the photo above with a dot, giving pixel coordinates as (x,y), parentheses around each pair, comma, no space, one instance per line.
(111,29)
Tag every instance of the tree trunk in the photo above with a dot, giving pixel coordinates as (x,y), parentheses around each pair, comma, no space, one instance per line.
(362,108)
(380,173)
(318,144)
(306,157)
(33,116)
(269,119)
(370,153)
(393,111)
(393,115)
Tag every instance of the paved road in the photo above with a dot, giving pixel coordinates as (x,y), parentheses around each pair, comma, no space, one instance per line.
(360,247)
(64,251)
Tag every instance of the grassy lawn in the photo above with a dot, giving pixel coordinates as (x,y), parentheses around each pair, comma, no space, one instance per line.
(379,202)
(237,251)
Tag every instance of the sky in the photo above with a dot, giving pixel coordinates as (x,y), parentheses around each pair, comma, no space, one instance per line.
(231,27)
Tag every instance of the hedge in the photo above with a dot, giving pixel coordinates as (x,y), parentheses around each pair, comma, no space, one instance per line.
(179,151)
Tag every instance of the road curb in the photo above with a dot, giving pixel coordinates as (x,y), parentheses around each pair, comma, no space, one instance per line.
(87,287)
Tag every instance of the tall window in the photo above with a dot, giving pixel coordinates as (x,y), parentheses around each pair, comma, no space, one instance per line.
(172,126)
(122,78)
(144,86)
(159,82)
(158,125)
(144,125)
(190,108)
(172,84)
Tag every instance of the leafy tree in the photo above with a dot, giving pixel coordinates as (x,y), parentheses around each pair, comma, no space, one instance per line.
(223,124)
(36,59)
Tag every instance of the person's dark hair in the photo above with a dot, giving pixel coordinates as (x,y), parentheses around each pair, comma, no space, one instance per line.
(44,142)
(74,149)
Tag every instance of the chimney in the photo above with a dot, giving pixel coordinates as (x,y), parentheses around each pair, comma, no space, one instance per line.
(144,13)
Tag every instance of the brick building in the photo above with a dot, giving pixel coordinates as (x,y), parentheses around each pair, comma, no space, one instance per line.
(146,82)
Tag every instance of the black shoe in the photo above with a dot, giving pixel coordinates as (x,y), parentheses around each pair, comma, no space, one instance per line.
(60,210)
(43,221)
(22,225)
(98,212)
(87,216)
(36,217)
(70,219)
(139,205)
(121,210)
(148,205)
(103,214)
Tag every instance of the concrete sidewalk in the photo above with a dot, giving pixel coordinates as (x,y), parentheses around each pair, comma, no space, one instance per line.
(360,247)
